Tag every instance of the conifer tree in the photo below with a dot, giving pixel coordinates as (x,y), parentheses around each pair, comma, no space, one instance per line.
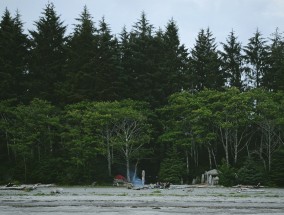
(233,61)
(126,78)
(273,78)
(47,55)
(141,62)
(256,53)
(205,63)
(81,49)
(106,64)
(160,79)
(13,57)
(175,67)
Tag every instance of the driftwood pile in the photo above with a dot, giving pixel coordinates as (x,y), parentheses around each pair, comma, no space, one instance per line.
(24,187)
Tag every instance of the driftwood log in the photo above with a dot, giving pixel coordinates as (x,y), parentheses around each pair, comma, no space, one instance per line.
(25,187)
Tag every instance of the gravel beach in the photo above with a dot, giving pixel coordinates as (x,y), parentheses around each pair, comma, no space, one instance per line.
(120,200)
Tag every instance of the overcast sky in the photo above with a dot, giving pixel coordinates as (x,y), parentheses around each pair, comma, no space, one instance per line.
(221,16)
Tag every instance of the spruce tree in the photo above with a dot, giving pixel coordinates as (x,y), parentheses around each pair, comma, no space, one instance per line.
(106,65)
(273,77)
(233,61)
(256,53)
(80,70)
(160,79)
(13,57)
(175,62)
(47,55)
(141,62)
(125,78)
(205,63)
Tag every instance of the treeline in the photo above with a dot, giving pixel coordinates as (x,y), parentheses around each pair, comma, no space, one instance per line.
(83,107)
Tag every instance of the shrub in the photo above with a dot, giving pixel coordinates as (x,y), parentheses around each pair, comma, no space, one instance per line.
(227,176)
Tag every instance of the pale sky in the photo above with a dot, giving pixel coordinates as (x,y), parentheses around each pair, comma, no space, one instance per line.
(221,16)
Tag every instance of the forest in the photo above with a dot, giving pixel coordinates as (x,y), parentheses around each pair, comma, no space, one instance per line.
(84,107)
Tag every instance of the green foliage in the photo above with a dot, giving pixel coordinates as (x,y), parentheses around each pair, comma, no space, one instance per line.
(108,101)
(233,61)
(251,173)
(227,176)
(49,170)
(277,168)
(172,168)
(205,63)
(79,69)
(256,56)
(13,57)
(47,56)
(273,78)
(34,132)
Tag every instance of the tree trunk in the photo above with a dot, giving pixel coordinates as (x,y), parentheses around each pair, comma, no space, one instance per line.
(38,150)
(225,142)
(209,157)
(214,157)
(227,146)
(236,144)
(25,166)
(127,162)
(108,160)
(269,148)
(187,165)
(261,151)
(127,169)
(7,142)
(247,149)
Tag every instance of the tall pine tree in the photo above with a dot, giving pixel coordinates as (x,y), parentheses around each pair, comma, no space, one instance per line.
(141,65)
(106,64)
(233,61)
(205,63)
(125,78)
(175,66)
(14,46)
(273,77)
(256,53)
(80,70)
(47,56)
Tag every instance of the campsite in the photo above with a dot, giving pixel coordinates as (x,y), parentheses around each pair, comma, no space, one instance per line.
(141,107)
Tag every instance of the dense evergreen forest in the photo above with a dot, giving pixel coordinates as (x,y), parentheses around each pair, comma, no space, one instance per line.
(84,107)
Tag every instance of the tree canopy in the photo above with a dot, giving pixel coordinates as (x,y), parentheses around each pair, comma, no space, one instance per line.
(84,107)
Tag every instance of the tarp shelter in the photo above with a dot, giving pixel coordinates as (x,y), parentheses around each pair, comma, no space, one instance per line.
(119,180)
(120,177)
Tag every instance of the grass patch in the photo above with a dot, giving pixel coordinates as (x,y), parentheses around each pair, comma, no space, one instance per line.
(122,194)
(180,195)
(272,196)
(219,195)
(157,191)
(237,195)
(40,194)
(155,194)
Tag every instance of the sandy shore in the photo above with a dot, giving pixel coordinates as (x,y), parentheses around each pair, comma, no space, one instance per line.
(119,200)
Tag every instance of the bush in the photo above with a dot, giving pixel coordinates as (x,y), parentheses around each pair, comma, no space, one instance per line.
(227,175)
(252,173)
(277,168)
(172,168)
